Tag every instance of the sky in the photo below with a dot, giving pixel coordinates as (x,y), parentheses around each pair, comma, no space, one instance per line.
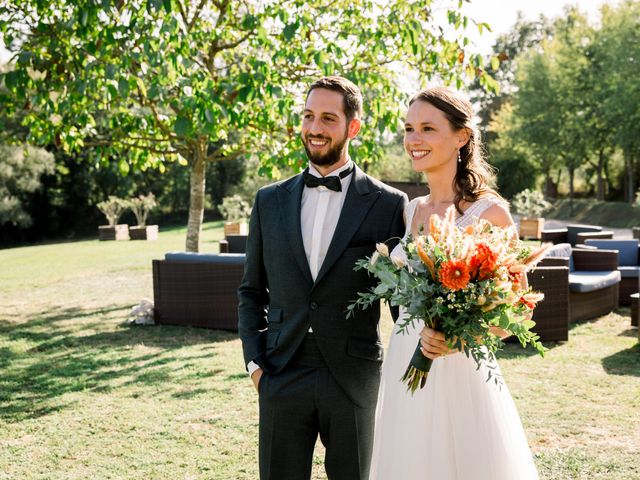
(500,14)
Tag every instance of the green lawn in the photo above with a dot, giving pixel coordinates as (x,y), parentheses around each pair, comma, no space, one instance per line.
(84,395)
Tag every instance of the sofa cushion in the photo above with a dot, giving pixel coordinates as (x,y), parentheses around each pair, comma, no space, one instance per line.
(583,282)
(629,272)
(627,249)
(562,250)
(219,258)
(573,230)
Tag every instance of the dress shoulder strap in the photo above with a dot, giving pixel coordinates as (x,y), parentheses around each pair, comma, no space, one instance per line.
(478,207)
(409,211)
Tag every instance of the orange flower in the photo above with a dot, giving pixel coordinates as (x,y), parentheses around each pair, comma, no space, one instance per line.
(527,303)
(426,260)
(483,262)
(530,300)
(454,274)
(434,227)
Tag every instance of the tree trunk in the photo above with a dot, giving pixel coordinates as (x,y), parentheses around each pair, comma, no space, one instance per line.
(608,182)
(628,163)
(196,201)
(550,190)
(571,178)
(600,185)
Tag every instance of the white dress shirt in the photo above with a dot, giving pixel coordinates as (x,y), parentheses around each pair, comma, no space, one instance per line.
(319,213)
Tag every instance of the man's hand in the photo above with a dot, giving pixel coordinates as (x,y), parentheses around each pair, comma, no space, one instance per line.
(256,376)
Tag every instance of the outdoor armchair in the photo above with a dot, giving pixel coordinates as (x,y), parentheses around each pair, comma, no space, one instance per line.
(594,279)
(198,290)
(628,264)
(234,244)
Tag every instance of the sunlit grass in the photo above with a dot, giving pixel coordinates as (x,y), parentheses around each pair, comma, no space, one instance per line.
(85,395)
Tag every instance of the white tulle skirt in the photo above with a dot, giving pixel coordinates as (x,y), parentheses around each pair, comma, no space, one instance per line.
(458,427)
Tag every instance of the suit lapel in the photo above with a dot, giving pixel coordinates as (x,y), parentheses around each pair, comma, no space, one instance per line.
(290,199)
(360,197)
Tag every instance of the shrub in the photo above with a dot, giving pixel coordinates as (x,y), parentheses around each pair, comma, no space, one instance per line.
(530,203)
(141,206)
(113,208)
(235,209)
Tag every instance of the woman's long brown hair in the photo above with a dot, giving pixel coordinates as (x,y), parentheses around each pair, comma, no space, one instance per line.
(474,178)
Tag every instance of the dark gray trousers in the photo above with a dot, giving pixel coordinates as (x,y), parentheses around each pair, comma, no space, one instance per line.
(302,402)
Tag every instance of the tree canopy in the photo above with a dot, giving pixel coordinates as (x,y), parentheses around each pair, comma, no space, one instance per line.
(144,83)
(573,101)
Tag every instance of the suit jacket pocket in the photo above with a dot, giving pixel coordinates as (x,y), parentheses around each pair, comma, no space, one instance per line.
(274,316)
(368,350)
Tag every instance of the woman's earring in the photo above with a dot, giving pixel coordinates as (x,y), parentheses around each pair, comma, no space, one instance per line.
(459,159)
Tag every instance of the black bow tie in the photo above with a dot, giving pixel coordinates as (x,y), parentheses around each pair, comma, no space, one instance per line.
(332,183)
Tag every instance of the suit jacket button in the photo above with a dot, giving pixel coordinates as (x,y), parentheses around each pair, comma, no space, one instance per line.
(313,306)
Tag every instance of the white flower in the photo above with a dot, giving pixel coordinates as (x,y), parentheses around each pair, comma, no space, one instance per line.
(382,249)
(35,75)
(142,314)
(374,258)
(55,119)
(399,262)
(53,96)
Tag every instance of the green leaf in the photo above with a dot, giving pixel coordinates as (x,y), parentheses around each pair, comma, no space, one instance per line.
(290,31)
(381,289)
(183,126)
(123,88)
(495,63)
(141,86)
(123,166)
(208,113)
(110,71)
(167,5)
(12,79)
(249,22)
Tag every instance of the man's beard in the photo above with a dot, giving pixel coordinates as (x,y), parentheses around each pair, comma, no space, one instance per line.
(326,159)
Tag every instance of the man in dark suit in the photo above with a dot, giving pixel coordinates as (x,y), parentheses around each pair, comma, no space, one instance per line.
(317,371)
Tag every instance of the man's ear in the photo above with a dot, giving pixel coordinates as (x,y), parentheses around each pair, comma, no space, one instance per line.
(354,127)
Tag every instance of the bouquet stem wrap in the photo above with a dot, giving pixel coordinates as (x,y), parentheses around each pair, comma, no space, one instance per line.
(416,374)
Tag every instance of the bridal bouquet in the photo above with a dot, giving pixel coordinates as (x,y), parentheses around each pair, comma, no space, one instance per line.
(460,282)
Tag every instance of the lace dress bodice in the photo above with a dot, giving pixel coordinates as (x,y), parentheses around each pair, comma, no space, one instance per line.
(476,209)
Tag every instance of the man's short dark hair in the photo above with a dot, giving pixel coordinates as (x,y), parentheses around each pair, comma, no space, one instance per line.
(351,94)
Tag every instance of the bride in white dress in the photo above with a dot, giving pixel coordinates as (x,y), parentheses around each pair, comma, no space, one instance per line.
(459,426)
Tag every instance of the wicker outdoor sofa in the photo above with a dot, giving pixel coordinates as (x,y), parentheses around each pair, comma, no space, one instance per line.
(574,234)
(552,314)
(594,280)
(198,290)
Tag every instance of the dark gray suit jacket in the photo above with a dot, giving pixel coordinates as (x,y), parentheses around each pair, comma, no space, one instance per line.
(279,301)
